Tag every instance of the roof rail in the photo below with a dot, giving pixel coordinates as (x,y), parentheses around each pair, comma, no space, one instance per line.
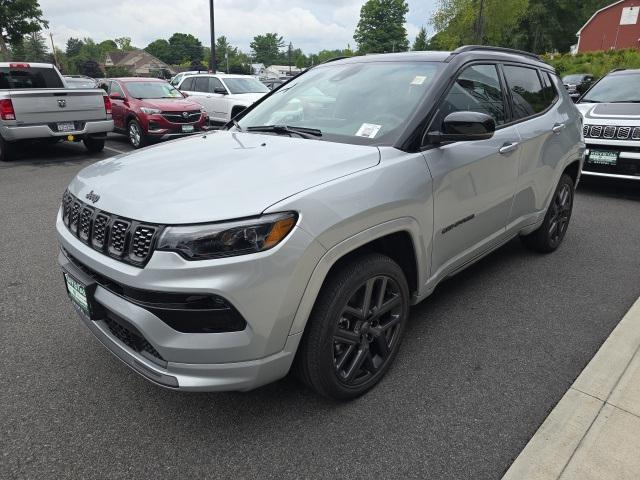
(471,48)
(619,69)
(334,59)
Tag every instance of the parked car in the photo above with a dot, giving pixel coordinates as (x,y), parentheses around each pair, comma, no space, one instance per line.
(175,81)
(35,105)
(611,110)
(272,84)
(262,245)
(73,81)
(223,96)
(147,109)
(577,84)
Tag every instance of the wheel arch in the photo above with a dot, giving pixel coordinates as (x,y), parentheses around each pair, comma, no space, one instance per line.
(399,239)
(573,170)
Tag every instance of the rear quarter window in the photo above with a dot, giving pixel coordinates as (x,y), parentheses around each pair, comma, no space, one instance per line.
(24,78)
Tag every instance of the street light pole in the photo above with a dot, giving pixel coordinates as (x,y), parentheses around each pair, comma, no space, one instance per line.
(212,62)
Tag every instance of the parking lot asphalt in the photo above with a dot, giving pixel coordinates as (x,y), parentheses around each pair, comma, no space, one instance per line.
(483,362)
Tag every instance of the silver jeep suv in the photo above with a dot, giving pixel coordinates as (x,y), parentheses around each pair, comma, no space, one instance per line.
(300,235)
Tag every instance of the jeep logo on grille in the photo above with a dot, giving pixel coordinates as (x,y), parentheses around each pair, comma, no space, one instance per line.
(62,103)
(93,197)
(185,114)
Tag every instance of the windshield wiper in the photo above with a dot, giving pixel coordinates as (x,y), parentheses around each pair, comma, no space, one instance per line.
(626,101)
(286,129)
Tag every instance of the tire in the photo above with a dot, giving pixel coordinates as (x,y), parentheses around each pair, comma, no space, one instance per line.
(5,151)
(343,353)
(136,135)
(551,233)
(94,145)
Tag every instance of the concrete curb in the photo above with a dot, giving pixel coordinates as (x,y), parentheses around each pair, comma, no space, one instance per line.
(594,431)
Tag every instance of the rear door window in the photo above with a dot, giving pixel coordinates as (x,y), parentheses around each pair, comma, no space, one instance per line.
(32,77)
(202,84)
(527,93)
(214,83)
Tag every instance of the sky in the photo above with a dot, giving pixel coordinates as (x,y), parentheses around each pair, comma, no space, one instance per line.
(311,25)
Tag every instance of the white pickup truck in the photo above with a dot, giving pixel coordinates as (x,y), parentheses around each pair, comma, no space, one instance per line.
(36,105)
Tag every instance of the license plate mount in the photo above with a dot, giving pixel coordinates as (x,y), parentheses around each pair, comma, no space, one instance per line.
(66,126)
(187,128)
(603,157)
(81,296)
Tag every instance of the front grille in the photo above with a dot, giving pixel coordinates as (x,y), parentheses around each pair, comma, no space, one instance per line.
(611,132)
(124,239)
(178,117)
(132,338)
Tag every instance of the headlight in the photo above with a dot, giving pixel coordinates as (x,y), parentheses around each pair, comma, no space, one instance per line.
(217,240)
(150,111)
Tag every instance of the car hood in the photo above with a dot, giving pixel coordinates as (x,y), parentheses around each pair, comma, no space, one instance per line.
(216,176)
(594,112)
(170,105)
(246,97)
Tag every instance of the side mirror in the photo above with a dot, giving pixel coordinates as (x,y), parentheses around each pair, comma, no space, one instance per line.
(115,96)
(464,127)
(184,94)
(220,90)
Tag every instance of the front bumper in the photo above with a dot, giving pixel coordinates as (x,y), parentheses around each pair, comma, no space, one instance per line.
(627,167)
(265,288)
(28,132)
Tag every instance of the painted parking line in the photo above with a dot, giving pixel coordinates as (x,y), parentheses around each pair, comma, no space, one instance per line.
(115,150)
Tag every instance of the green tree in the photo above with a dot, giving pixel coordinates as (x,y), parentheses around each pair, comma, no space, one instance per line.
(74,45)
(381,27)
(185,48)
(35,49)
(160,49)
(17,19)
(266,48)
(420,43)
(124,44)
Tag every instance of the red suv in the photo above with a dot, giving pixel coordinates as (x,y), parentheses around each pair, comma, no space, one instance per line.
(149,108)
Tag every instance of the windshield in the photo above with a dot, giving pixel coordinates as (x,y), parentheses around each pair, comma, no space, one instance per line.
(245,85)
(363,103)
(573,79)
(615,88)
(144,90)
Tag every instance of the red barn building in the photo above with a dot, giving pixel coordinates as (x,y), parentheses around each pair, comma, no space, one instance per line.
(611,28)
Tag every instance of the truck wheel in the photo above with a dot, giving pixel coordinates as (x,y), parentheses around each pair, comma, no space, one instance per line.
(136,134)
(355,328)
(549,236)
(5,150)
(94,145)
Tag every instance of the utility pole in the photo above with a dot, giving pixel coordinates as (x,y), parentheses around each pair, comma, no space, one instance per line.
(479,33)
(53,50)
(212,62)
(290,48)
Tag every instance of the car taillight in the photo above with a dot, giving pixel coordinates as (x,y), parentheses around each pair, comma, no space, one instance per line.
(19,65)
(6,110)
(107,104)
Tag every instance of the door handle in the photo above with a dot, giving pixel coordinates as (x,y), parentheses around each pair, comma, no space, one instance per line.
(558,127)
(508,148)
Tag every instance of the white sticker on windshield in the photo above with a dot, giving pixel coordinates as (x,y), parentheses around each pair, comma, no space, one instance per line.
(368,130)
(418,80)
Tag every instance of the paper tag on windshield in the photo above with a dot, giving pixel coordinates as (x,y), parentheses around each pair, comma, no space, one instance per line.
(418,80)
(368,130)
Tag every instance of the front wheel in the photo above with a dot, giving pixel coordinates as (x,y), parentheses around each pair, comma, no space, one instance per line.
(355,329)
(136,135)
(551,233)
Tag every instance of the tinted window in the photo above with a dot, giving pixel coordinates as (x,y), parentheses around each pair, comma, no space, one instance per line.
(202,84)
(19,78)
(550,92)
(526,91)
(477,89)
(187,85)
(245,85)
(215,83)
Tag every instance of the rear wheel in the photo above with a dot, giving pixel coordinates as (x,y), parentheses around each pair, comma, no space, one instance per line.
(551,233)
(136,134)
(94,145)
(5,150)
(355,329)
